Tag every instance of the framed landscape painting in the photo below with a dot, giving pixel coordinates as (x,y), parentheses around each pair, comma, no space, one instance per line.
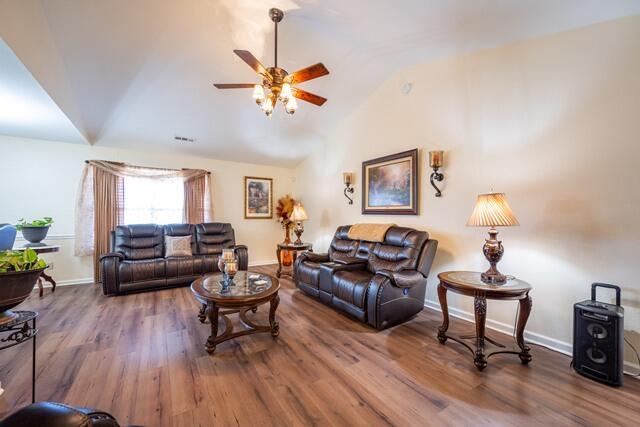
(258,197)
(390,184)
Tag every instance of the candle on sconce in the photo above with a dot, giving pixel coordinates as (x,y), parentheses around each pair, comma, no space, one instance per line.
(436,159)
(347,178)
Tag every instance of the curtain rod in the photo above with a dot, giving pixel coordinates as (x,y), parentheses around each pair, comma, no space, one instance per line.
(146,167)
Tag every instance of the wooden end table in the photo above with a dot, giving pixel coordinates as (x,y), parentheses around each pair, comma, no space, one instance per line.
(248,292)
(41,248)
(468,283)
(292,247)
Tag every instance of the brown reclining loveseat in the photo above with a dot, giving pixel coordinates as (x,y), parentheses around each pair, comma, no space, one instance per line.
(381,283)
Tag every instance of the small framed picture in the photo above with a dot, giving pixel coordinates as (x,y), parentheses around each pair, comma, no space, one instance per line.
(258,198)
(390,184)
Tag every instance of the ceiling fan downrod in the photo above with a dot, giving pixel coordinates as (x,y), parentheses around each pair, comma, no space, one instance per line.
(276,16)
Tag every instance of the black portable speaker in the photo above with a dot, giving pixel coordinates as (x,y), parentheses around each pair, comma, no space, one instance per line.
(598,338)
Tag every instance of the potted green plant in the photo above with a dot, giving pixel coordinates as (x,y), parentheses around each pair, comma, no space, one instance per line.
(19,272)
(34,231)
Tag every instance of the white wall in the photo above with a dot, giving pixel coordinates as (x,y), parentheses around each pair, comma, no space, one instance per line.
(40,178)
(554,123)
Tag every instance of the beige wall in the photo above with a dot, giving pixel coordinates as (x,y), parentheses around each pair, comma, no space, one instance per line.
(40,178)
(553,122)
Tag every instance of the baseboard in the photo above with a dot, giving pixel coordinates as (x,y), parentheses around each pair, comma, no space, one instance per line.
(261,263)
(532,337)
(89,280)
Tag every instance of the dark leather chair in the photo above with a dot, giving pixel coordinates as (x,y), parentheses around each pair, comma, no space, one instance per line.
(138,262)
(51,414)
(382,284)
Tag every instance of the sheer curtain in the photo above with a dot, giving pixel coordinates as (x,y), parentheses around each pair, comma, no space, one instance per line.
(102,201)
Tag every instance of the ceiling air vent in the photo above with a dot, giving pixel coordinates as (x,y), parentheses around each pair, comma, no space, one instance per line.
(183,139)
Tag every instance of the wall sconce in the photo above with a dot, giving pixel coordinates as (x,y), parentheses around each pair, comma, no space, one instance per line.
(347,177)
(435,162)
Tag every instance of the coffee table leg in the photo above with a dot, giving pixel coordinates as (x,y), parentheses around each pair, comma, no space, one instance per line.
(480,308)
(212,314)
(442,330)
(202,314)
(40,287)
(525,310)
(279,262)
(273,306)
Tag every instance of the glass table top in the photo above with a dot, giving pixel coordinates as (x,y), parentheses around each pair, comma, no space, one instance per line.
(245,284)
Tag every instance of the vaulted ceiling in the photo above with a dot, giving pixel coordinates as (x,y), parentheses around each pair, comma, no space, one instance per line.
(135,74)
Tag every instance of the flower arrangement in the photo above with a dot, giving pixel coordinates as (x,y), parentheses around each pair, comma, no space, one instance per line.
(284,210)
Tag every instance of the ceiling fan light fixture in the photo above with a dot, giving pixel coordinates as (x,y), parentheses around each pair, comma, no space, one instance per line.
(291,105)
(285,93)
(278,84)
(258,94)
(267,105)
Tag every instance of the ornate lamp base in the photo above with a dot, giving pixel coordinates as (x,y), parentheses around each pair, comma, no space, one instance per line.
(493,251)
(298,230)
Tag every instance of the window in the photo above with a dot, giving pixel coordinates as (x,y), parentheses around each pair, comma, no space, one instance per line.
(153,201)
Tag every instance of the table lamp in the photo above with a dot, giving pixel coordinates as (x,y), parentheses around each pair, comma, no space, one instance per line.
(298,215)
(492,210)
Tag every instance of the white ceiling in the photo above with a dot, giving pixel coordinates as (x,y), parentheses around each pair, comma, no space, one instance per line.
(137,73)
(25,108)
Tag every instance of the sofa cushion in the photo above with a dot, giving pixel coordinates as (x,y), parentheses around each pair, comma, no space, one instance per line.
(341,245)
(400,250)
(351,286)
(139,241)
(183,266)
(140,270)
(309,273)
(212,237)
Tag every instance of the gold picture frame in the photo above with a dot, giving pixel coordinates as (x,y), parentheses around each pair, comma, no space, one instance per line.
(258,197)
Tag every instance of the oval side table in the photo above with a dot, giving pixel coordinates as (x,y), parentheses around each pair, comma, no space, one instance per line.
(469,283)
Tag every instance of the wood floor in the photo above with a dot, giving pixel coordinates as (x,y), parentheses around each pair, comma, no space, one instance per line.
(142,358)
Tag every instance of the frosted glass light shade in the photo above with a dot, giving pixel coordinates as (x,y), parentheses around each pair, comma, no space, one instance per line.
(298,214)
(492,210)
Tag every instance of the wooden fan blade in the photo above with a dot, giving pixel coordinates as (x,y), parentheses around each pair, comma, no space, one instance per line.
(309,73)
(308,96)
(234,85)
(253,62)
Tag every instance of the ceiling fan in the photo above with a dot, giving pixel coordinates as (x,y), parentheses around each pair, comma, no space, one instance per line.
(277,84)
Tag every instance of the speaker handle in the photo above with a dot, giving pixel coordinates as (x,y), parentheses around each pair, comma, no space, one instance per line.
(605,285)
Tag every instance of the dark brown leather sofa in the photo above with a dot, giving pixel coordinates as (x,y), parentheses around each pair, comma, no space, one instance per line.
(382,284)
(137,259)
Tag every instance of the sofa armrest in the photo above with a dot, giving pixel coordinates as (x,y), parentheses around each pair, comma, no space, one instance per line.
(403,278)
(313,257)
(109,272)
(242,252)
(350,261)
(112,255)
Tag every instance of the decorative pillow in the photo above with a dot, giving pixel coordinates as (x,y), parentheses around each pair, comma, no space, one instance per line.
(177,246)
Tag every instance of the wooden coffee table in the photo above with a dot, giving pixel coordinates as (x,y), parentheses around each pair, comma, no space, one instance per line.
(248,292)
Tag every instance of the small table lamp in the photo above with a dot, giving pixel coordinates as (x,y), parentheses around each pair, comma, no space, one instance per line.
(492,210)
(298,215)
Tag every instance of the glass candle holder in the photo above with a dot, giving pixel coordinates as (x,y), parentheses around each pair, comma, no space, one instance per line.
(230,269)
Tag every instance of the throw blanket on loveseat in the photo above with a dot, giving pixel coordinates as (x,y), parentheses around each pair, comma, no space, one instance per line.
(369,232)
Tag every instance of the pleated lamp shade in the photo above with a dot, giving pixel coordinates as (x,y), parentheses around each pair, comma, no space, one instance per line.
(298,214)
(492,210)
